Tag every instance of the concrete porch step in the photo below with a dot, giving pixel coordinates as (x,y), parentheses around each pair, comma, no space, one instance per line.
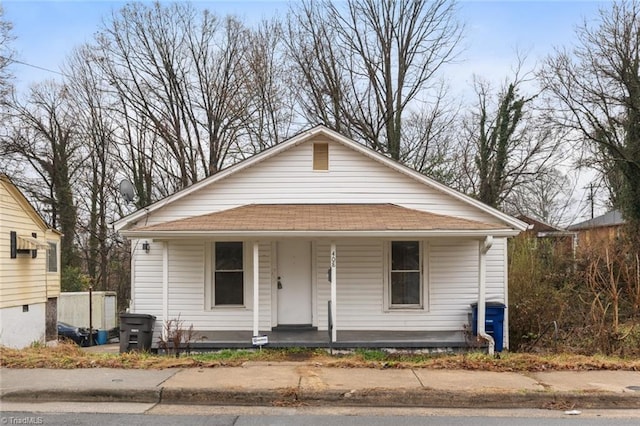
(294,327)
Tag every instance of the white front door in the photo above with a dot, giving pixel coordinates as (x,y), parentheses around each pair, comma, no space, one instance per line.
(294,282)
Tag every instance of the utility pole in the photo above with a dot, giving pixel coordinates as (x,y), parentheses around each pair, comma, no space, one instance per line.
(590,197)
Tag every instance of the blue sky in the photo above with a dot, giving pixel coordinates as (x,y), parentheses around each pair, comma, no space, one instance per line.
(47,30)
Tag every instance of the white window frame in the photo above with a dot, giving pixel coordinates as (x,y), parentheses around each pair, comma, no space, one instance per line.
(57,251)
(424,279)
(247,282)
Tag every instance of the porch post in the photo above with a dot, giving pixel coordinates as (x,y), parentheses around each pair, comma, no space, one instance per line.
(165,288)
(256,288)
(483,248)
(334,293)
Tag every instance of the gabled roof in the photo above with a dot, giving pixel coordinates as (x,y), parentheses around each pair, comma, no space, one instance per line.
(612,218)
(298,139)
(538,225)
(24,203)
(283,219)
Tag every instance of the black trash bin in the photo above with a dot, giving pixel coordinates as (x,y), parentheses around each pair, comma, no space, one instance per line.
(136,332)
(493,322)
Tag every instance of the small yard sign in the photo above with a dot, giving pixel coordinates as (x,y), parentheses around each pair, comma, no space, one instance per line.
(260,340)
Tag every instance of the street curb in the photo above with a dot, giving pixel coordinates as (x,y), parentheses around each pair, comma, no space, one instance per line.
(426,398)
(149,395)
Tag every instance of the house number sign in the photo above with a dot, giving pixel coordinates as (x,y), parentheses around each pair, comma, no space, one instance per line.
(333,259)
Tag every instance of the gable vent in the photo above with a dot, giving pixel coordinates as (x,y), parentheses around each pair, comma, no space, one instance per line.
(320,156)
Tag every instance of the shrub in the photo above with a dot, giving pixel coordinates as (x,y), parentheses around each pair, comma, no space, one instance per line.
(538,278)
(176,338)
(72,279)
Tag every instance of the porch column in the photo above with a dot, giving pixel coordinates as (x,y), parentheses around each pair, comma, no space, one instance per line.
(483,248)
(256,288)
(165,288)
(334,293)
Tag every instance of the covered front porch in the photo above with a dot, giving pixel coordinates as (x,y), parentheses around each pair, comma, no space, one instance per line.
(413,340)
(391,276)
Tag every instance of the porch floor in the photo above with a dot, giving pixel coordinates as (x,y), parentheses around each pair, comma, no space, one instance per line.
(211,340)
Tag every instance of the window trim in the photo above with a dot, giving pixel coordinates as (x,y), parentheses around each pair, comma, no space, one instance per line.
(424,279)
(210,271)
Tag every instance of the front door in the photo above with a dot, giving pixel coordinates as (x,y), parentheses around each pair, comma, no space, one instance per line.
(294,282)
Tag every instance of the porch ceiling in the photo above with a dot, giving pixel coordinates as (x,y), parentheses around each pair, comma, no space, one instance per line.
(314,218)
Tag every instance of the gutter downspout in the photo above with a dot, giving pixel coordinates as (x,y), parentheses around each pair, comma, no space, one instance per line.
(483,248)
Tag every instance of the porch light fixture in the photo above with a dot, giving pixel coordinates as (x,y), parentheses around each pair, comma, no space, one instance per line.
(146,246)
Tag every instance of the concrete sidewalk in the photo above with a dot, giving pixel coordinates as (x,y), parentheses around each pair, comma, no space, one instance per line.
(300,383)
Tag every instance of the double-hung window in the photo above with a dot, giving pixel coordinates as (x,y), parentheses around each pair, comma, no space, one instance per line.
(52,257)
(405,274)
(228,286)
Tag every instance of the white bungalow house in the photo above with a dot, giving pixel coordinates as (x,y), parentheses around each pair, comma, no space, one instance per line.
(326,237)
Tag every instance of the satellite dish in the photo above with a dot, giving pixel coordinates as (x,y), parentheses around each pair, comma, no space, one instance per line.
(127,191)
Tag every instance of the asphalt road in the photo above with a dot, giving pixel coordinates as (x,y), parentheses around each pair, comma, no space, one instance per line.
(65,419)
(288,419)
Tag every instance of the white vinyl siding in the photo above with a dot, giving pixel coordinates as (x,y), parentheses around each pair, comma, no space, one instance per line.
(187,288)
(147,289)
(288,178)
(451,286)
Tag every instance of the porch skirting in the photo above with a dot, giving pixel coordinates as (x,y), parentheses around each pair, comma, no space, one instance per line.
(438,341)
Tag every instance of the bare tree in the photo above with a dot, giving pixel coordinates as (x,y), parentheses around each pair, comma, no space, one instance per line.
(179,73)
(268,92)
(597,85)
(363,63)
(6,56)
(547,198)
(96,179)
(44,136)
(429,139)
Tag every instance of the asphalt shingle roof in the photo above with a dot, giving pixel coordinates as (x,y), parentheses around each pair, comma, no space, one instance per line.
(320,217)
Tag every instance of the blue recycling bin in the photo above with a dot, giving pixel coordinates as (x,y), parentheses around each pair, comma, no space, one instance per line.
(493,322)
(103,337)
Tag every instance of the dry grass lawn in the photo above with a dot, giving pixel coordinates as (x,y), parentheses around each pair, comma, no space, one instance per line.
(67,355)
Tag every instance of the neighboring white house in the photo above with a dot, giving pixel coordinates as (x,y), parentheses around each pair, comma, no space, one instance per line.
(264,245)
(29,271)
